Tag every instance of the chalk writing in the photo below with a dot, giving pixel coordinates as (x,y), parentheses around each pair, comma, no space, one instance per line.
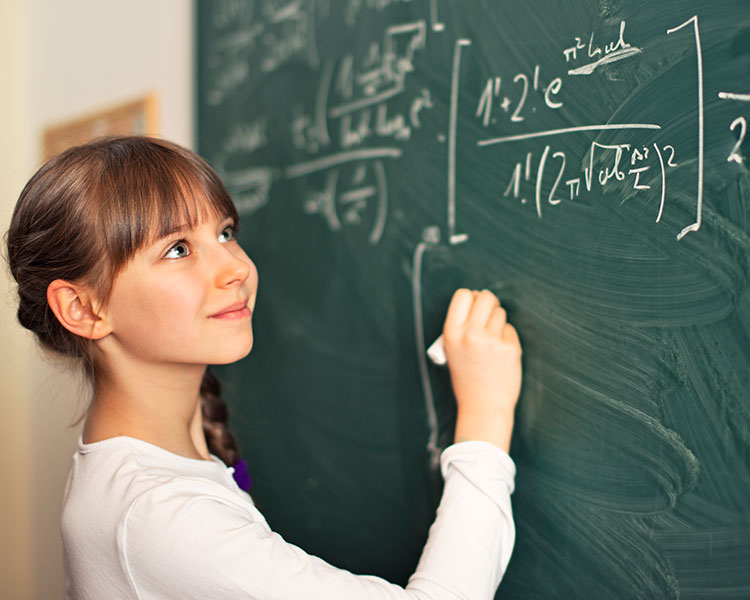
(430,239)
(621,163)
(244,137)
(353,8)
(230,12)
(701,150)
(270,37)
(739,125)
(435,23)
(733,96)
(353,109)
(611,52)
(455,238)
(250,188)
(637,172)
(492,92)
(344,201)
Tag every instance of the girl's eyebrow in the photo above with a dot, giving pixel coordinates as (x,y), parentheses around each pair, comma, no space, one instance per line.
(173,230)
(181,227)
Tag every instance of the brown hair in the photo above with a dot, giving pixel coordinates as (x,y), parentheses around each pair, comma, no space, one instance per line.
(86,212)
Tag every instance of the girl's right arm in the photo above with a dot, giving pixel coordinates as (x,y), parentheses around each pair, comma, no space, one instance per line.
(484,357)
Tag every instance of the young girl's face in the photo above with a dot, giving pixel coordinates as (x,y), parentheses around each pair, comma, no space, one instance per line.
(186,298)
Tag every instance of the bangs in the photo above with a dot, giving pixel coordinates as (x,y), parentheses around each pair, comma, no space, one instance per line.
(178,204)
(149,189)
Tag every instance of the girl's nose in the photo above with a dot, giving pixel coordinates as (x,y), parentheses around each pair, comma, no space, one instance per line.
(235,268)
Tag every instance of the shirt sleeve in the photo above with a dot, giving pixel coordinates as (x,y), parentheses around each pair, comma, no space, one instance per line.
(175,543)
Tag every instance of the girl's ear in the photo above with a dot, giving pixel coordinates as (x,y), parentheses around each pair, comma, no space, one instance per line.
(75,307)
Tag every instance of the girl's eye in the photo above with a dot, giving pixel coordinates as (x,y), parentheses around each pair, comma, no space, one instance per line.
(178,250)
(227,234)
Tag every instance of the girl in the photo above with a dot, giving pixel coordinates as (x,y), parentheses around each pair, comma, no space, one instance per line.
(125,256)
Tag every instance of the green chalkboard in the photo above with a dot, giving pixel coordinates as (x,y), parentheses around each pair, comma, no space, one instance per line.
(586,160)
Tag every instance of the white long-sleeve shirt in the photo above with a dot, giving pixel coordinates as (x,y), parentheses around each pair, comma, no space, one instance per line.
(141,522)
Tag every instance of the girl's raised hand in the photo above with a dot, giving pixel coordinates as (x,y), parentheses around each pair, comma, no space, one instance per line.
(484,357)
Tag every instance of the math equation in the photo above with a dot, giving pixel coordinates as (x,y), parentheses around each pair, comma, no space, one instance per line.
(368,106)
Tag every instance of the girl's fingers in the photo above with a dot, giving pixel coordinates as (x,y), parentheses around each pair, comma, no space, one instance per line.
(510,335)
(459,309)
(474,310)
(497,322)
(485,303)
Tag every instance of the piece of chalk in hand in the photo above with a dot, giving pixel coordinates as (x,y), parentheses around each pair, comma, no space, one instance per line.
(437,352)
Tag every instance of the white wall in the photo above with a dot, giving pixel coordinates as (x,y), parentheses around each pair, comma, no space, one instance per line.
(15,522)
(59,61)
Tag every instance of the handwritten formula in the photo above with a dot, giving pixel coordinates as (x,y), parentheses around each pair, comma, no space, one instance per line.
(353,130)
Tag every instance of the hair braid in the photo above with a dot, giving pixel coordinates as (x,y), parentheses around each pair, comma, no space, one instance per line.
(219,438)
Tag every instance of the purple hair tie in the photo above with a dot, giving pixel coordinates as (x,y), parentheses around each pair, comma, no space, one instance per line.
(241,476)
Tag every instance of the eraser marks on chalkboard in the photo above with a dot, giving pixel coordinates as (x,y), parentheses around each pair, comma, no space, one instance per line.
(437,352)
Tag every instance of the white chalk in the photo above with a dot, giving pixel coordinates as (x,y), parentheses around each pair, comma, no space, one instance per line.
(437,352)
